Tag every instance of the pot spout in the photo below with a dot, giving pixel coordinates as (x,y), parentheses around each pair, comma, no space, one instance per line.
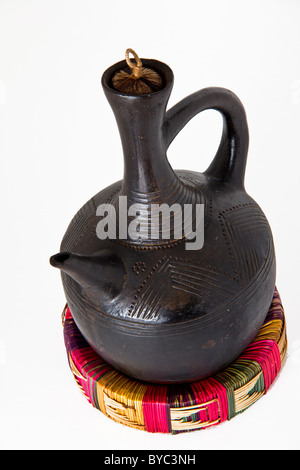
(103,273)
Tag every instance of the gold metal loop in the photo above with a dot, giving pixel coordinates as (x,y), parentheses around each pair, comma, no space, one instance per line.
(137,67)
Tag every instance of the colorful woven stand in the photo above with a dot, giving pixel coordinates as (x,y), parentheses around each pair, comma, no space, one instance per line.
(183,407)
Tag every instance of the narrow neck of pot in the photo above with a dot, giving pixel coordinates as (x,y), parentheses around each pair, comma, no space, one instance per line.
(147,172)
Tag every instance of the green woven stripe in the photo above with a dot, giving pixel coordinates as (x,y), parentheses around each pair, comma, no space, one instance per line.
(94,372)
(237,375)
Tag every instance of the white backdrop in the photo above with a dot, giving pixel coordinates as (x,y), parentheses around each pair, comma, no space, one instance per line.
(59,146)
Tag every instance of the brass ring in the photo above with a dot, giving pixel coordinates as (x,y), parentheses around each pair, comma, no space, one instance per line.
(137,67)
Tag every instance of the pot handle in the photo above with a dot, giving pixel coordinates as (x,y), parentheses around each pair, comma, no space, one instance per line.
(230,161)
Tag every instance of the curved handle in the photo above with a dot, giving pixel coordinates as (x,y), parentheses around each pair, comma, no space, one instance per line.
(230,161)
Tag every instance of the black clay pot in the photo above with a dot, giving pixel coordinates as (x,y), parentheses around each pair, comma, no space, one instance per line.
(165,310)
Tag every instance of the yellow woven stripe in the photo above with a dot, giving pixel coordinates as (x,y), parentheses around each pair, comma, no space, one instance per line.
(121,398)
(100,385)
(271,330)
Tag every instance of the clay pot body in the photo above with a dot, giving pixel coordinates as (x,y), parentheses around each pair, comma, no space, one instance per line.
(153,308)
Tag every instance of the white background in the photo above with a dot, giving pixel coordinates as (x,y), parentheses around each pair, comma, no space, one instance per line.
(59,146)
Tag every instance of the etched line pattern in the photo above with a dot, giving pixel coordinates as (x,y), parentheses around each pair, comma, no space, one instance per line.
(146,304)
(200,281)
(178,274)
(240,224)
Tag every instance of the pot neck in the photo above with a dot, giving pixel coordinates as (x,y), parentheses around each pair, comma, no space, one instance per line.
(140,119)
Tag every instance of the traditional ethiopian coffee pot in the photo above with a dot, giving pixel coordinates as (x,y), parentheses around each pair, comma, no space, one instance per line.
(169,274)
